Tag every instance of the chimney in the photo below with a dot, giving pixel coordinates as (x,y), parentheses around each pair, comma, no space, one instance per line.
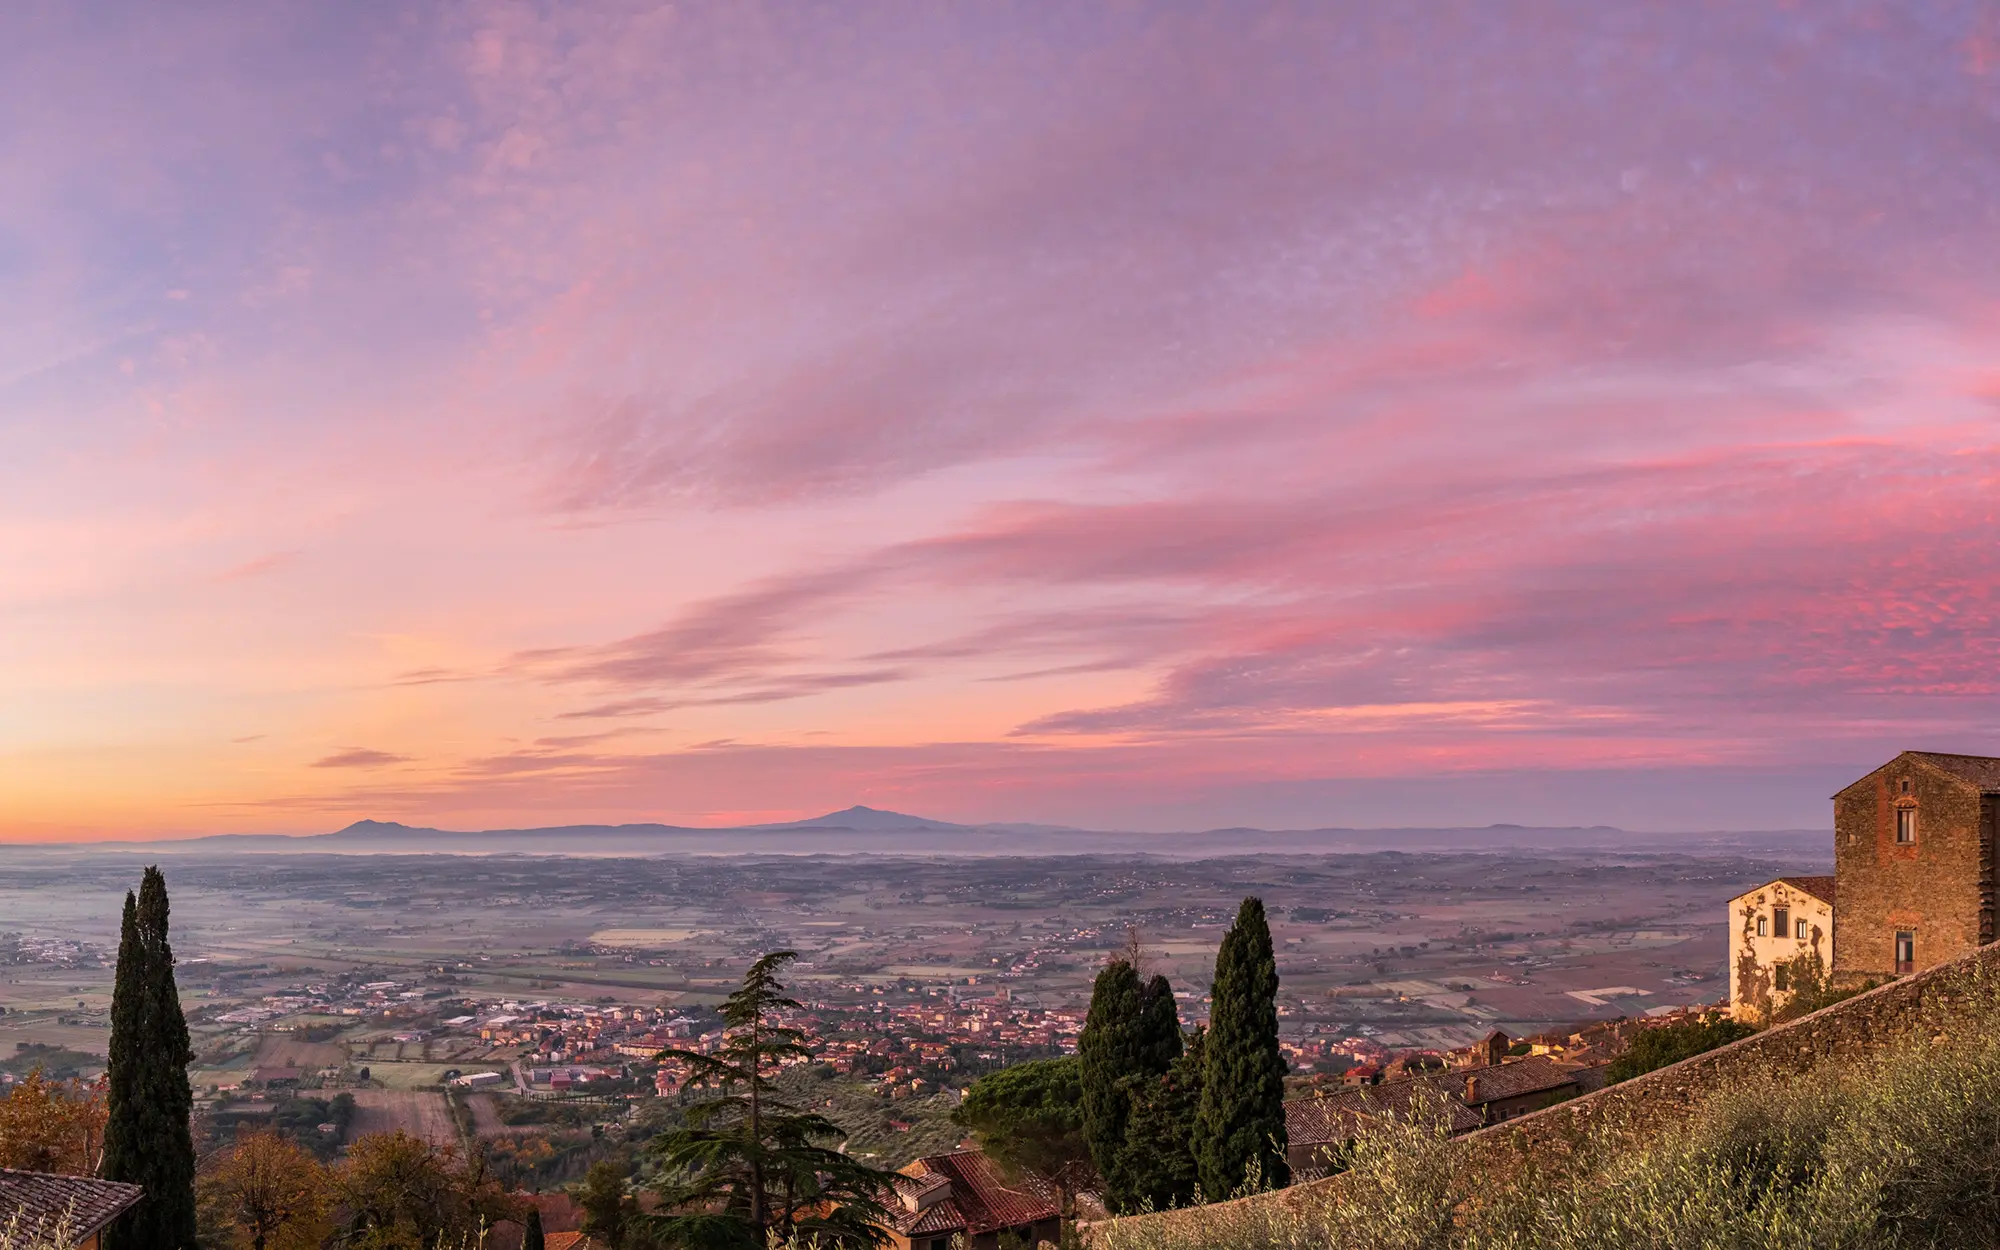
(1472,1088)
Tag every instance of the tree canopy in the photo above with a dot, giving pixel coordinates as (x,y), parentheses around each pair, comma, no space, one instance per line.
(1026,1118)
(746,1166)
(1240,1125)
(146,1137)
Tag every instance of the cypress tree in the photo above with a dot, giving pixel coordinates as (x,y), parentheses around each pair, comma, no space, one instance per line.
(146,1140)
(1159,1027)
(1130,1038)
(532,1237)
(1241,1121)
(1159,1155)
(1108,1051)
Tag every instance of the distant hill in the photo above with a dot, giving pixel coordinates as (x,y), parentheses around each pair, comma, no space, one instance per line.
(870,820)
(868,830)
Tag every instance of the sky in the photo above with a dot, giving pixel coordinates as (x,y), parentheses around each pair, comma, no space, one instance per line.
(1142,416)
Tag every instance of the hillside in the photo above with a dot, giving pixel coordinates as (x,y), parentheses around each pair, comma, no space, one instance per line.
(1872,1123)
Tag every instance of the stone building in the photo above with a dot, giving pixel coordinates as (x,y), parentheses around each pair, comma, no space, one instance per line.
(1914,852)
(1780,934)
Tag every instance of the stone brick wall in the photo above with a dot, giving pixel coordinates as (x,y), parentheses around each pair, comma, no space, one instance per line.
(1932,887)
(1934,1003)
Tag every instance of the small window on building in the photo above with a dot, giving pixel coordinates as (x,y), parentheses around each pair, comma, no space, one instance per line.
(1906,952)
(1906,824)
(1802,929)
(1781,978)
(1781,921)
(1763,926)
(1906,785)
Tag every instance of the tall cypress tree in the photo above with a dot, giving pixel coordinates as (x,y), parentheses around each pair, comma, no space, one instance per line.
(1159,1027)
(146,1140)
(1108,1051)
(532,1236)
(1241,1120)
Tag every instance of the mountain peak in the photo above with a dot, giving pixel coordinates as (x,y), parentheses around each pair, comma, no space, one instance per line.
(862,818)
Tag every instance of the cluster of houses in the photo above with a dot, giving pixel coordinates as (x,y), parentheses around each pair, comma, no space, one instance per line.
(1915,861)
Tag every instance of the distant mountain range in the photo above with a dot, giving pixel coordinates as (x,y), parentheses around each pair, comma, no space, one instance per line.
(867,830)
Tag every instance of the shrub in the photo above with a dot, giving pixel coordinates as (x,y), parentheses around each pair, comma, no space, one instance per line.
(1671,1043)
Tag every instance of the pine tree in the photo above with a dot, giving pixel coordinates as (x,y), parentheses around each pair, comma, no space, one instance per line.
(146,1140)
(1240,1127)
(1159,1154)
(746,1167)
(532,1237)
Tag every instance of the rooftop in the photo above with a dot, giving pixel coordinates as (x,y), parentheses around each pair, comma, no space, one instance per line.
(45,1200)
(981,1200)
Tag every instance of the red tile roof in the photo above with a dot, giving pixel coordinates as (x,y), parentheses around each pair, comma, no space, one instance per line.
(44,1201)
(974,1197)
(1334,1117)
(1820,888)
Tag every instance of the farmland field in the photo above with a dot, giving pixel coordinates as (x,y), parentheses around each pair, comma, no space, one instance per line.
(486,1119)
(420,1114)
(285,1052)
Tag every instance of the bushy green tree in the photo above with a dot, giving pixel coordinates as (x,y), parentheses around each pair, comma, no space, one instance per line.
(747,1167)
(1159,1152)
(1130,1037)
(146,1139)
(607,1207)
(1027,1118)
(1240,1126)
(1671,1043)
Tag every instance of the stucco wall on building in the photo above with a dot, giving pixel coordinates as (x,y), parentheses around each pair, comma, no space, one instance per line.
(1753,960)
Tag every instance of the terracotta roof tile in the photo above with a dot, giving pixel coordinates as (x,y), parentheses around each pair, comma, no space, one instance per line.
(43,1200)
(1335,1117)
(1821,888)
(979,1199)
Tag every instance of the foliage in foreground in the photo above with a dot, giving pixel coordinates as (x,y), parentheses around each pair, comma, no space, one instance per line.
(1900,1150)
(52,1126)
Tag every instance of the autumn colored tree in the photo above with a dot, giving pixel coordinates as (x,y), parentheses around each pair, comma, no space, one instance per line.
(269,1194)
(52,1126)
(402,1193)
